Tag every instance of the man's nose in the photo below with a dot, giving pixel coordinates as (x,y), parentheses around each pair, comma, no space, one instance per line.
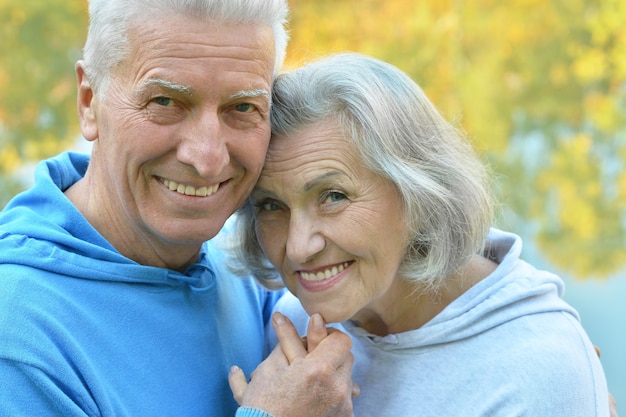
(204,146)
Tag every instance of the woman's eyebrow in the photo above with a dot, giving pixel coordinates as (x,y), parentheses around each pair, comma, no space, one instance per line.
(259,192)
(310,184)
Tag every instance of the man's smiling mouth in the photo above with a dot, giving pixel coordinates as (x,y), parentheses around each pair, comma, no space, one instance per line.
(190,189)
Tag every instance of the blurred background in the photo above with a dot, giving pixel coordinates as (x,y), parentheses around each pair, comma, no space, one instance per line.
(538,85)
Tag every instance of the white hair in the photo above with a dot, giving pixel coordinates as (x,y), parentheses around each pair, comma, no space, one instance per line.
(110,21)
(401,136)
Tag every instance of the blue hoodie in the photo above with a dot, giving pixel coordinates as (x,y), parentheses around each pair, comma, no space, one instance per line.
(85,331)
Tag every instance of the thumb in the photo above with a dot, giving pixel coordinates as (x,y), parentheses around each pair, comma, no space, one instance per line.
(316,331)
(238,383)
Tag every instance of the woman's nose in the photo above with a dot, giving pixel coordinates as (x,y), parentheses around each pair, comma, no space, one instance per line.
(304,238)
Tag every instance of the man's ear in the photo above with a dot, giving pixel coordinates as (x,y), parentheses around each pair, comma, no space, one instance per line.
(86,104)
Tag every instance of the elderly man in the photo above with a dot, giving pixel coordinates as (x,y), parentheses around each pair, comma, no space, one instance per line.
(111,302)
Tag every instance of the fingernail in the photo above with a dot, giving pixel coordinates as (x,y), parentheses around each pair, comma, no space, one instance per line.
(279,319)
(318,321)
(234,369)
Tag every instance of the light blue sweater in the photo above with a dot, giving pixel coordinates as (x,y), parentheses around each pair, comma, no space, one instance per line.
(85,331)
(510,346)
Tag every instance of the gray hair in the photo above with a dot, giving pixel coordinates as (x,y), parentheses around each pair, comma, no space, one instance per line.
(110,21)
(401,136)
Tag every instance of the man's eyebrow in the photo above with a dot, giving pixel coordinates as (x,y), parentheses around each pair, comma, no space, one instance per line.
(168,85)
(250,93)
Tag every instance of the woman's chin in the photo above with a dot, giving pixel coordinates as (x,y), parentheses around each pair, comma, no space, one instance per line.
(329,316)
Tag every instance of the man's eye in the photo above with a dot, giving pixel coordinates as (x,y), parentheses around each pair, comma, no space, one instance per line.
(163,101)
(245,107)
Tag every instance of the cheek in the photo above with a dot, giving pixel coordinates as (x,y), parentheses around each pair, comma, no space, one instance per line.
(123,129)
(384,239)
(271,239)
(251,151)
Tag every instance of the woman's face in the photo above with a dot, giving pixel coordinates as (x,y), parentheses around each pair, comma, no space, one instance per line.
(333,228)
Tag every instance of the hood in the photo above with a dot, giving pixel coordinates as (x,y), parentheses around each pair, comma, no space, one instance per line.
(41,228)
(513,290)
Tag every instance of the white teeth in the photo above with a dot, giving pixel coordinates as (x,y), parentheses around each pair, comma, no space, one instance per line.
(189,189)
(328,273)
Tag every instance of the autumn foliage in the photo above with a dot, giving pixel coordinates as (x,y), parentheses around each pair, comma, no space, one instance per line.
(539,86)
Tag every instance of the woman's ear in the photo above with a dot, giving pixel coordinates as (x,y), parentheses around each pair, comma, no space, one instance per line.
(86,104)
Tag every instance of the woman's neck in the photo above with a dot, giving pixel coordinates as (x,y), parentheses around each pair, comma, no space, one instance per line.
(405,307)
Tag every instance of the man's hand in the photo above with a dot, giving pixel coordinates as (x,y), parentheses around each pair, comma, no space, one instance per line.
(301,379)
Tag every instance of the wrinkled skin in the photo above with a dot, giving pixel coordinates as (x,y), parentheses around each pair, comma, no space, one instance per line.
(323,364)
(179,136)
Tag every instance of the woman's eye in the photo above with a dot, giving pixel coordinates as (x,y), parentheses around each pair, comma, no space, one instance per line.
(333,197)
(245,107)
(163,101)
(269,207)
(266,206)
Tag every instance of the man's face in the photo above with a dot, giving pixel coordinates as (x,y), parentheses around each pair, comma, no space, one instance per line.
(182,130)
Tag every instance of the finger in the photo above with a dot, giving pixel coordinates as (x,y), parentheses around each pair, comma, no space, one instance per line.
(356,389)
(277,358)
(238,383)
(345,373)
(597,350)
(316,331)
(334,349)
(288,338)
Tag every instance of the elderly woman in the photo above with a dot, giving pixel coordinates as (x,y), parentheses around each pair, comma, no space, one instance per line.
(375,213)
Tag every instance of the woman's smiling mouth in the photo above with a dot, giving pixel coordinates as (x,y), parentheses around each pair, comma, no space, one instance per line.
(324,274)
(323,279)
